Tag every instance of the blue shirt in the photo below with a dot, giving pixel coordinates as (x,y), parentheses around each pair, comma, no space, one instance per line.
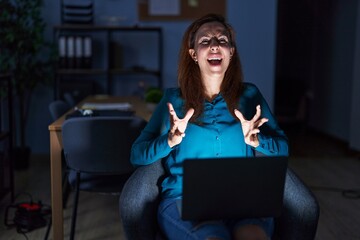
(220,135)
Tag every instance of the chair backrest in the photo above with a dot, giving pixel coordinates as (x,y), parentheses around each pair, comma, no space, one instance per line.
(57,108)
(69,98)
(100,144)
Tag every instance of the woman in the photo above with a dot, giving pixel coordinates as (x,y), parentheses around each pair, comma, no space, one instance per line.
(212,114)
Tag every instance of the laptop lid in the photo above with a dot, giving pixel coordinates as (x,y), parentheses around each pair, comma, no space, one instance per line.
(233,188)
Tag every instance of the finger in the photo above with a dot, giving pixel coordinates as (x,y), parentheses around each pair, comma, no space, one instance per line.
(172,111)
(239,115)
(173,129)
(257,114)
(261,122)
(184,122)
(254,131)
(171,108)
(189,114)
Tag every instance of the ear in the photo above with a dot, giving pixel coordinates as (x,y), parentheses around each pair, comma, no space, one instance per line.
(192,53)
(232,50)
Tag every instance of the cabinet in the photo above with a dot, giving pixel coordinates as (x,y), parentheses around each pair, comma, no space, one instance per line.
(103,53)
(6,139)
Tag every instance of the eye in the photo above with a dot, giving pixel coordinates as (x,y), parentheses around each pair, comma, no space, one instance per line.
(223,40)
(204,42)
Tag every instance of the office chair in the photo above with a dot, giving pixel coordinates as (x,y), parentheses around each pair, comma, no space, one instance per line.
(69,98)
(58,108)
(140,197)
(97,152)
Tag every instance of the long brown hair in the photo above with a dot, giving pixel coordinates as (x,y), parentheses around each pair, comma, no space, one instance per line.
(189,76)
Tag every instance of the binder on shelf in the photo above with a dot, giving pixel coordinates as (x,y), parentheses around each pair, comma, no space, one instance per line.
(87,54)
(62,51)
(70,51)
(75,52)
(79,52)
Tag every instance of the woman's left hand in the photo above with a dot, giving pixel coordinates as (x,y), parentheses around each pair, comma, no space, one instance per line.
(251,127)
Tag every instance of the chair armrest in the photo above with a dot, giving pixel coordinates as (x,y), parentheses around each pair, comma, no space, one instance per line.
(300,211)
(139,201)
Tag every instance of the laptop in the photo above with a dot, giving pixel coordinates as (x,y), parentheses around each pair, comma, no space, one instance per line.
(233,188)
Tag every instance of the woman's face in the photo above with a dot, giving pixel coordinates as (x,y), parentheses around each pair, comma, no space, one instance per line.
(212,49)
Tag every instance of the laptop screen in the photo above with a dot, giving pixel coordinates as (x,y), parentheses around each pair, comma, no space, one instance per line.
(233,188)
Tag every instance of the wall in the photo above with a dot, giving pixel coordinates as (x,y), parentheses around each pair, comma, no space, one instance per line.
(355,100)
(318,47)
(254,22)
(332,84)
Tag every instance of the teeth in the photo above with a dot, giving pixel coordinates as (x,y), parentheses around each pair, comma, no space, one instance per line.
(214,59)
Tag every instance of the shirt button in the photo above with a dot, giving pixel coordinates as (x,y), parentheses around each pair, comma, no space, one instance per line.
(217,137)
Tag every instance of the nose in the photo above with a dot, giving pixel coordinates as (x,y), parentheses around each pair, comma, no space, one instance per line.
(214,44)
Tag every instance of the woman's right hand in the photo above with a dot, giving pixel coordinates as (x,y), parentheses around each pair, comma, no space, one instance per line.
(177,126)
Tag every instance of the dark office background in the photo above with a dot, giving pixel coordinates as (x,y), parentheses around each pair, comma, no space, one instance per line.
(285,46)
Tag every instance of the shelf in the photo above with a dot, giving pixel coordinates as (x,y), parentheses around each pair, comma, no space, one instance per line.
(108,35)
(134,71)
(90,27)
(104,71)
(92,71)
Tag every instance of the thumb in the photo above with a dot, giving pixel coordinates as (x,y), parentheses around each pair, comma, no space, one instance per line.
(239,115)
(189,114)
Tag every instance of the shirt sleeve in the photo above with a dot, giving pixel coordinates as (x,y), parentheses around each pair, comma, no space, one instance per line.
(272,139)
(152,143)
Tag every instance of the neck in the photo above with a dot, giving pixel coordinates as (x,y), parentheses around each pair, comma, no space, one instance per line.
(210,94)
(212,87)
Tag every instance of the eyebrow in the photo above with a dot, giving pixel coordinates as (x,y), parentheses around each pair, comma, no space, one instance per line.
(210,33)
(200,38)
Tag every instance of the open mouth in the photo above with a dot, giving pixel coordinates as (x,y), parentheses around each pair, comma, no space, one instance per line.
(214,61)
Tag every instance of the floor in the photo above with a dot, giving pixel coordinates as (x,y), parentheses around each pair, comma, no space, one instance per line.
(325,164)
(331,171)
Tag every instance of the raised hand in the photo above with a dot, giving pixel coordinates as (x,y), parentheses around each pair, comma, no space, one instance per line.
(177,126)
(251,127)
